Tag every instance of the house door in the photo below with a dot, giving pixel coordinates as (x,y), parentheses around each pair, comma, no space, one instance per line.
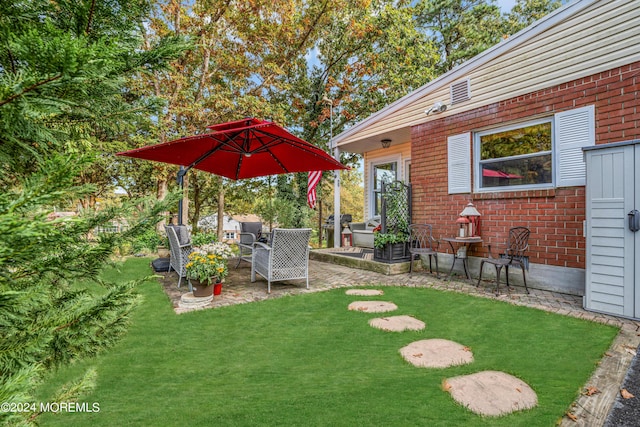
(613,247)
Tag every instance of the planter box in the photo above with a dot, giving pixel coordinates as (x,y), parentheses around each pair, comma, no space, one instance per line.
(396,252)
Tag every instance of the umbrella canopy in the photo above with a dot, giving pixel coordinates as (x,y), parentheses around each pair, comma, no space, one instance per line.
(241,149)
(489,173)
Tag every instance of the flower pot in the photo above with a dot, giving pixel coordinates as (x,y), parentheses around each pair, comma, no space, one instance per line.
(217,289)
(201,289)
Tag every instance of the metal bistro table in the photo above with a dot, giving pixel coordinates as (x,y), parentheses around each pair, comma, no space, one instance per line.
(463,244)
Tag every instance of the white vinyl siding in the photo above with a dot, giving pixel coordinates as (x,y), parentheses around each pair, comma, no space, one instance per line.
(459,163)
(584,38)
(574,129)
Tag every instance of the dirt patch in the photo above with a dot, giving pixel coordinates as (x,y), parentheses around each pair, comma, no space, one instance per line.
(397,323)
(364,292)
(372,306)
(436,353)
(491,393)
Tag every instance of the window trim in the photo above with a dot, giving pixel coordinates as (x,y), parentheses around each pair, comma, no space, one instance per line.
(519,125)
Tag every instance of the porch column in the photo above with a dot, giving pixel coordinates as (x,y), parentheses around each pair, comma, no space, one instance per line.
(337,230)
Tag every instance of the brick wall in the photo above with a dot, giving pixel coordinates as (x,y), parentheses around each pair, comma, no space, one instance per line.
(554,216)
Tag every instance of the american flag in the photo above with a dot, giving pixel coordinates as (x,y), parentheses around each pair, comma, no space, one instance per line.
(314,179)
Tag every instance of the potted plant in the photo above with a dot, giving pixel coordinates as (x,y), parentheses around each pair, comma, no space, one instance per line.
(391,239)
(391,246)
(208,267)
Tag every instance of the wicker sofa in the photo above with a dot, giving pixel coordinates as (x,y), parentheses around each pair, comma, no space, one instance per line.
(363,232)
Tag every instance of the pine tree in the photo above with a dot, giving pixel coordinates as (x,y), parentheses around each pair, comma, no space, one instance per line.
(63,103)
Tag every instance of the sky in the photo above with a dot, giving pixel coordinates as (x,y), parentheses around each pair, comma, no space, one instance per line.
(506,5)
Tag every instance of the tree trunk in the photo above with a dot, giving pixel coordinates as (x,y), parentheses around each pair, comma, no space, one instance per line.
(197,203)
(161,193)
(185,200)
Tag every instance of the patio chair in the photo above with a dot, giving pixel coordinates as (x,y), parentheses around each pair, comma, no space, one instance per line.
(180,247)
(250,232)
(286,259)
(422,242)
(516,246)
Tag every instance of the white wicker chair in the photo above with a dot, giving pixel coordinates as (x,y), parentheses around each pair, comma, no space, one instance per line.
(179,251)
(286,259)
(250,232)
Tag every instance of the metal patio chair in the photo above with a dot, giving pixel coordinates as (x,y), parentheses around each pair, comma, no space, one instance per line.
(421,242)
(180,247)
(517,244)
(286,259)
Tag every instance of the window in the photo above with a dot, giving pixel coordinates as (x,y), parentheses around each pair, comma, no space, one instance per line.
(516,157)
(229,235)
(382,173)
(541,153)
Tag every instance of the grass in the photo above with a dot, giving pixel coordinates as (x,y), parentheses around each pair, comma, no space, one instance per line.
(307,360)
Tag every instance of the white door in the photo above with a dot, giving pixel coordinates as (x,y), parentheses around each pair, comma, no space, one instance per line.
(613,250)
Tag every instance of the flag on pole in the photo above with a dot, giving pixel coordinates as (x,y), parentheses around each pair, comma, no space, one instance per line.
(314,179)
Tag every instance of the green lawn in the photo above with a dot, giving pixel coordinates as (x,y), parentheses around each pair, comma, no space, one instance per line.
(307,360)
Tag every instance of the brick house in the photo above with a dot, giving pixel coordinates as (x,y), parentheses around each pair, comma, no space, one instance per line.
(505,131)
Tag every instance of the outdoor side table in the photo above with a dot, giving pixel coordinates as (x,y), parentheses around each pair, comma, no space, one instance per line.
(459,248)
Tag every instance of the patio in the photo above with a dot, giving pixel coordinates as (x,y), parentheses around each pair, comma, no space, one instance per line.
(589,410)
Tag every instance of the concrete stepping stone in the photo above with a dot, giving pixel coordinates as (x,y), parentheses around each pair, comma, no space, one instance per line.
(397,323)
(188,301)
(372,306)
(491,393)
(436,353)
(364,292)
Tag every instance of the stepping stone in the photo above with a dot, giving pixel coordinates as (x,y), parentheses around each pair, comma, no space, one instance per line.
(372,306)
(436,353)
(491,393)
(364,292)
(188,301)
(397,323)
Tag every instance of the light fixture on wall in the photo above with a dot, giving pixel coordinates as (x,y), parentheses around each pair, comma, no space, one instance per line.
(386,143)
(438,107)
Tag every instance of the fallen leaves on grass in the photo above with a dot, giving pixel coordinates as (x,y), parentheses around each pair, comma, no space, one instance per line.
(446,386)
(572,417)
(625,394)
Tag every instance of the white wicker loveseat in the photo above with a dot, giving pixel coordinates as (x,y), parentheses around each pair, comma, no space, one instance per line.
(286,259)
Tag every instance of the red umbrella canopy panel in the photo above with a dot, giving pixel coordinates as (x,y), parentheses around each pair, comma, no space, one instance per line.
(241,149)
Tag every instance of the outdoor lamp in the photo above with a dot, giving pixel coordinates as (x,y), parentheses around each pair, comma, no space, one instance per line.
(386,143)
(347,237)
(471,213)
(463,225)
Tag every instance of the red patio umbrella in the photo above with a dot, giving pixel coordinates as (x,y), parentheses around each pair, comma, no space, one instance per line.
(490,173)
(247,148)
(241,149)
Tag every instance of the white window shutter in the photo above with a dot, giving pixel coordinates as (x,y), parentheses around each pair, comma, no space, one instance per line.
(459,172)
(574,129)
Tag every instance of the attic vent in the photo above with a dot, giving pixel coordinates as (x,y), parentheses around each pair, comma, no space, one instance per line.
(460,91)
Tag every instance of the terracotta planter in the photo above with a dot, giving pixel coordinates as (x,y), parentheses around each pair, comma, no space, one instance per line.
(163,252)
(201,289)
